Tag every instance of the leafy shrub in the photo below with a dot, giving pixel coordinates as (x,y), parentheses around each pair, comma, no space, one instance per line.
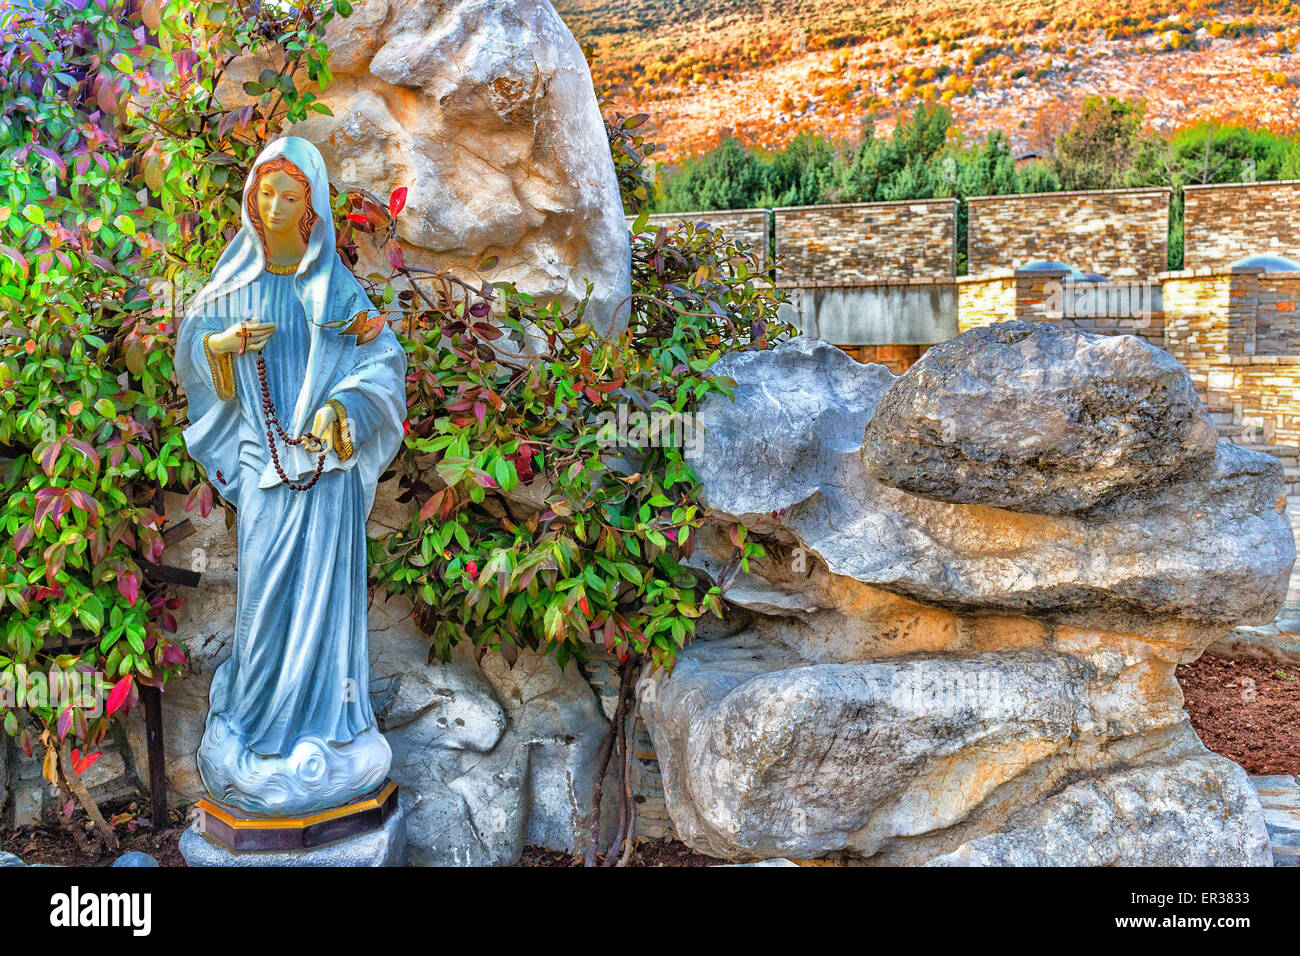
(118,167)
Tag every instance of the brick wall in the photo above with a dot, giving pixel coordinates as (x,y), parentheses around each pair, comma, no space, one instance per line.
(984,300)
(1104,308)
(753,226)
(1225,223)
(1117,232)
(1277,318)
(1004,296)
(1235,333)
(859,243)
(897,358)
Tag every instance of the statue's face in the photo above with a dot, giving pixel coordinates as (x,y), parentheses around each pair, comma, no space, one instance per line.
(281,202)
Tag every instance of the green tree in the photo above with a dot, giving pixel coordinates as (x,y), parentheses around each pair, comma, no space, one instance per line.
(1098,151)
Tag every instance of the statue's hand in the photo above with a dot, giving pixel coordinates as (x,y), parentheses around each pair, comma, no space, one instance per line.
(241,337)
(322,427)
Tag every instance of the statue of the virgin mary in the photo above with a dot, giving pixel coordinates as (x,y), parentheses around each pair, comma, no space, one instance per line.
(296,406)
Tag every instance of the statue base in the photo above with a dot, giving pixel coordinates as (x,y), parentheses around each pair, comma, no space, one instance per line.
(368,832)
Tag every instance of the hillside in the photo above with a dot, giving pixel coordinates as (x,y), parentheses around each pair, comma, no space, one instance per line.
(766,71)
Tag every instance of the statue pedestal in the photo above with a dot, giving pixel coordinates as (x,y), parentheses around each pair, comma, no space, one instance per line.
(368,832)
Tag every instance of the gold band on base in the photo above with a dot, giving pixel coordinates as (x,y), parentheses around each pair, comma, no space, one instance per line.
(232,829)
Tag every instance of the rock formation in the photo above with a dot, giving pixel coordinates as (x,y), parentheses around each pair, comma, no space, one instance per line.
(484,110)
(928,676)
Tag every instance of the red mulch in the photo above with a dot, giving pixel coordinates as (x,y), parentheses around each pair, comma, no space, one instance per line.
(1247,710)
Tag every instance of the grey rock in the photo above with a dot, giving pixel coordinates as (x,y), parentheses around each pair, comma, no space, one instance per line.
(1197,811)
(1206,546)
(482,806)
(1032,417)
(927,680)
(1279,795)
(135,859)
(485,110)
(763,755)
(1279,641)
(383,847)
(555,716)
(9,859)
(778,861)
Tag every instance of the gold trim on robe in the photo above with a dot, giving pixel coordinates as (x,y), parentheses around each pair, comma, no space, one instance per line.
(342,431)
(223,371)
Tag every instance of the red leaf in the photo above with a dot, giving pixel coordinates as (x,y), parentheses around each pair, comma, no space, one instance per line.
(397,201)
(65,723)
(85,763)
(92,456)
(17,258)
(51,456)
(582,603)
(472,570)
(174,654)
(432,506)
(129,586)
(395,257)
(118,695)
(86,503)
(201,496)
(23,537)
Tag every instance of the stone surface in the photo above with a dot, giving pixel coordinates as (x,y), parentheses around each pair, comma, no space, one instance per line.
(383,847)
(1115,232)
(484,110)
(1039,419)
(1226,222)
(1279,641)
(8,859)
(1208,548)
(135,859)
(1197,811)
(1280,797)
(928,681)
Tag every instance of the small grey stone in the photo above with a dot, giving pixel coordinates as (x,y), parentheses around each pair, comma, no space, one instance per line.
(8,859)
(135,859)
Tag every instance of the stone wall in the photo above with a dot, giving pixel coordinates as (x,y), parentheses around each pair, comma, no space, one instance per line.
(1119,232)
(1110,308)
(1235,333)
(984,300)
(752,226)
(1225,223)
(893,312)
(1277,316)
(861,243)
